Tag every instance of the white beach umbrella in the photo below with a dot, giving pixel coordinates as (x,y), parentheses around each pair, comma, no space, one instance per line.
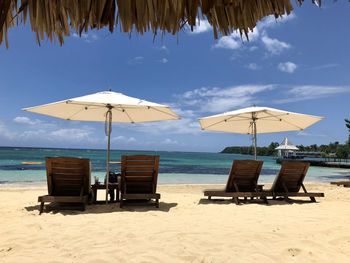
(106,106)
(254,120)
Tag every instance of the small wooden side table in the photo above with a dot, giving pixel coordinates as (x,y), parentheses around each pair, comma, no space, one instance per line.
(95,187)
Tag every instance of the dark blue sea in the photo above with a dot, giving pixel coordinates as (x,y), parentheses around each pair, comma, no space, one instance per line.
(175,167)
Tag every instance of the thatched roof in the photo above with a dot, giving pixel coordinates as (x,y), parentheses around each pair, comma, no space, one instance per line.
(54,19)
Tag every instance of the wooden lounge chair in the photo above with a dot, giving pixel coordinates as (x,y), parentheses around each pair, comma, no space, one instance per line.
(139,174)
(289,181)
(68,181)
(242,181)
(343,183)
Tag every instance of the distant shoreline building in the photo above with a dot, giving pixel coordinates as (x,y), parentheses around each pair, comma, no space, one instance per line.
(286,149)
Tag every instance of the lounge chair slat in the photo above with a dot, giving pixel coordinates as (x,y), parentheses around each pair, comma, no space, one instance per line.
(141,196)
(62,199)
(139,170)
(221,193)
(138,158)
(299,194)
(138,178)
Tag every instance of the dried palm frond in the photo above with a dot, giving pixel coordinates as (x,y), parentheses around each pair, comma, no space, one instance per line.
(54,19)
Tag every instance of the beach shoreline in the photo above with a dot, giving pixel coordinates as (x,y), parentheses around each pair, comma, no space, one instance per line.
(43,185)
(186,228)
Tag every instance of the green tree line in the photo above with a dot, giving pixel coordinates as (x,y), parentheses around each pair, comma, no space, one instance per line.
(339,150)
(334,148)
(262,151)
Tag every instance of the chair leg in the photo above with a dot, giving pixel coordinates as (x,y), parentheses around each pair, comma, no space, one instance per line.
(117,198)
(157,203)
(287,199)
(41,208)
(209,197)
(236,200)
(265,200)
(313,199)
(121,203)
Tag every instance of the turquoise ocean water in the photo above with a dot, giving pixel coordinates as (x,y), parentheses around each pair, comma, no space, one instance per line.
(175,167)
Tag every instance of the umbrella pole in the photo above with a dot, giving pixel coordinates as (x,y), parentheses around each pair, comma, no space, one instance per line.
(108,130)
(254,136)
(255,141)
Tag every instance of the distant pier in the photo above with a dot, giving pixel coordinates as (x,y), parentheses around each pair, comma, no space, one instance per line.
(320,163)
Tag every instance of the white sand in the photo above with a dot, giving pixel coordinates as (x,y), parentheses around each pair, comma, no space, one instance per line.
(184,229)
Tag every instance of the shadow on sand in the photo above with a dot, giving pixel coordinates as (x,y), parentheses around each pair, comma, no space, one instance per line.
(278,201)
(72,209)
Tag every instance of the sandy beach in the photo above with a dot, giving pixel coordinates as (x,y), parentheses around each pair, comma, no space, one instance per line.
(186,228)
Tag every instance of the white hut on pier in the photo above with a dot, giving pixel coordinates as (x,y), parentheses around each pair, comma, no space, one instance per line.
(286,149)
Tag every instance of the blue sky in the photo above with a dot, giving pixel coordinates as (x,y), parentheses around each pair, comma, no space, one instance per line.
(300,63)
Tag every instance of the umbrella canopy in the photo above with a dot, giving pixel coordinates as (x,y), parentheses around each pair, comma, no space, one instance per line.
(287,145)
(93,107)
(254,120)
(106,106)
(55,19)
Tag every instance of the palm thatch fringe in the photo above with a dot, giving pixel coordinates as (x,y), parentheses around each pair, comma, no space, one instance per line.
(54,19)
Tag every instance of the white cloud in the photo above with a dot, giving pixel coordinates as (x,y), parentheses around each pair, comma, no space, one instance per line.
(258,35)
(162,48)
(46,134)
(325,66)
(31,135)
(268,22)
(87,37)
(271,21)
(222,99)
(26,120)
(252,36)
(306,134)
(136,60)
(253,66)
(170,142)
(164,60)
(186,125)
(288,67)
(131,139)
(123,139)
(274,46)
(312,92)
(228,42)
(202,27)
(70,134)
(94,36)
(319,91)
(6,133)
